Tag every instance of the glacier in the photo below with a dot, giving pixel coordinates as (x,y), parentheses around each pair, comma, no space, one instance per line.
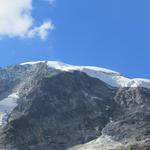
(7,105)
(112,78)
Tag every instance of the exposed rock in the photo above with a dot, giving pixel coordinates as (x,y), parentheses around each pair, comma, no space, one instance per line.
(70,110)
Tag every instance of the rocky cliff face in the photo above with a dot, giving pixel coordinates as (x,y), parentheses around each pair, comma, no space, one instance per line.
(55,108)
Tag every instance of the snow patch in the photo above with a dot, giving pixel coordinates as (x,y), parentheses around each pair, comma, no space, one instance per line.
(6,107)
(104,142)
(32,63)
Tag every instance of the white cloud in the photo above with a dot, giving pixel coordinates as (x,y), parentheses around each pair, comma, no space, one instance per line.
(41,31)
(16,20)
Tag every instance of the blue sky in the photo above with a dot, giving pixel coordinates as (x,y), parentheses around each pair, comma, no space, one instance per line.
(113,34)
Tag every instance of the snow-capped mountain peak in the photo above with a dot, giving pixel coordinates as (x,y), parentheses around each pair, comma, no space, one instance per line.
(45,104)
(66,67)
(113,78)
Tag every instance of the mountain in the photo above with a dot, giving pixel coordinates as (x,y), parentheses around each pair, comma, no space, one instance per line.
(49,105)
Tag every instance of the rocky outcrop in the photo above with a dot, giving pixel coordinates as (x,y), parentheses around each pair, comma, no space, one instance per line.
(62,111)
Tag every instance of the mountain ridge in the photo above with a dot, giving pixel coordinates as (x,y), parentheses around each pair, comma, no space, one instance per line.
(45,108)
(111,77)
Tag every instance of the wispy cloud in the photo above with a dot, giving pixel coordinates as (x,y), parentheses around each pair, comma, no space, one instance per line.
(16,20)
(41,31)
(51,2)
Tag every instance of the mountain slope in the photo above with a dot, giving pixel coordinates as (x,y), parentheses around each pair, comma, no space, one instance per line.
(55,106)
